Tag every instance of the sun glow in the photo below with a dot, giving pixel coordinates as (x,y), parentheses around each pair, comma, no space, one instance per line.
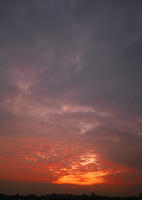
(89,178)
(76,176)
(53,163)
(88,159)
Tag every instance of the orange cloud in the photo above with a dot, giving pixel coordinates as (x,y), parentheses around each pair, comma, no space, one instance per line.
(44,160)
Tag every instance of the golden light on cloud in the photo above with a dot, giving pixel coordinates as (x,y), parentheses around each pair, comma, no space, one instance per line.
(89,178)
(90,158)
(84,171)
(50,162)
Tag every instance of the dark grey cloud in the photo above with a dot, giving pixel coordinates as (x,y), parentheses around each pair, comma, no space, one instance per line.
(89,51)
(119,144)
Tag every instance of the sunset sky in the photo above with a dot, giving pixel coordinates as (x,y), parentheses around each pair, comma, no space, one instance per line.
(71,96)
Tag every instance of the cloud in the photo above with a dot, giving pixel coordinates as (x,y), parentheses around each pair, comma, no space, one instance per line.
(71,71)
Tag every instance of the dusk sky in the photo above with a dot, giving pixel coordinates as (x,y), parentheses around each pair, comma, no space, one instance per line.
(71,96)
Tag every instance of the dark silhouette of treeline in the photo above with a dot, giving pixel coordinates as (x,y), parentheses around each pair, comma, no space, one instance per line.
(65,197)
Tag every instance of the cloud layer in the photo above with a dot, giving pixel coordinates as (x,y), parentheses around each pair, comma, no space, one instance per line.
(70,93)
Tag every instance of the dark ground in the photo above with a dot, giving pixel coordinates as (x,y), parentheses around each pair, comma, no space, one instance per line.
(65,197)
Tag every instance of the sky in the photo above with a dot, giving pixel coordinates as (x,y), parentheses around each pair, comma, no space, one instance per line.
(71,96)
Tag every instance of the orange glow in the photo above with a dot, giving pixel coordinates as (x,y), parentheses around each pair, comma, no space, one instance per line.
(89,178)
(44,160)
